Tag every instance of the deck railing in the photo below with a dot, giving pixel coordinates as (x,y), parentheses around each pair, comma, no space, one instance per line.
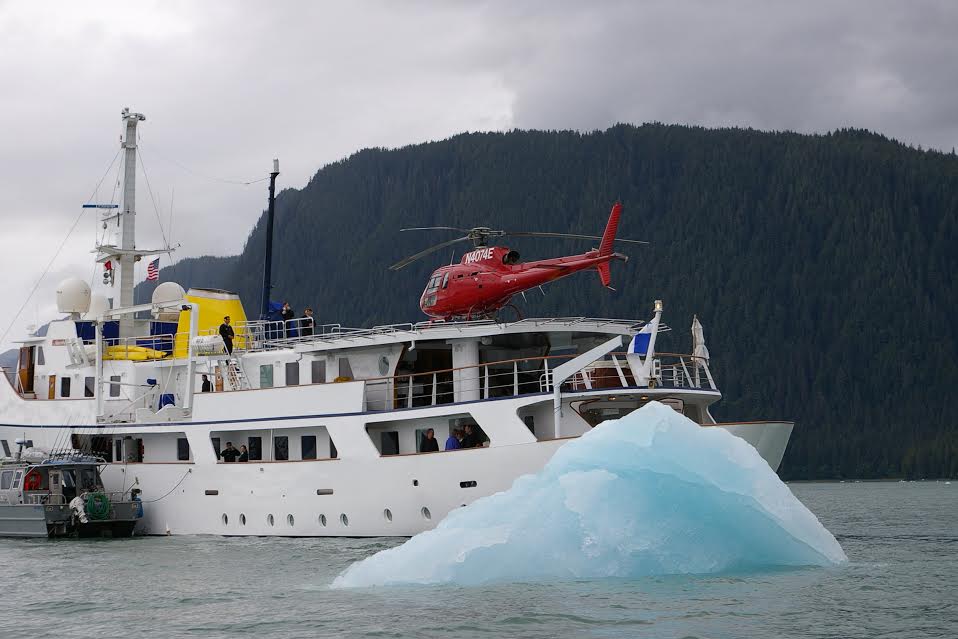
(525,376)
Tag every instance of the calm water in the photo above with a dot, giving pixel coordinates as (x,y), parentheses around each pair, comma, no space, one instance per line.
(902,581)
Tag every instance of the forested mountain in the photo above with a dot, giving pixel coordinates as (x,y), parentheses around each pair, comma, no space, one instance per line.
(822,267)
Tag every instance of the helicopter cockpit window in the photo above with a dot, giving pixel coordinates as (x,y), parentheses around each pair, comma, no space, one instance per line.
(434,283)
(445,280)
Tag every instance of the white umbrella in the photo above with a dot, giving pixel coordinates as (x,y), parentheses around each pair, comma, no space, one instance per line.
(699,350)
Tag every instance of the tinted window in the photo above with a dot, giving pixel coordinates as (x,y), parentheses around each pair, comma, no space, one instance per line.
(292,373)
(119,450)
(318,368)
(281,448)
(183,449)
(266,376)
(6,478)
(216,446)
(345,370)
(89,383)
(308,443)
(64,387)
(115,386)
(40,359)
(390,442)
(255,445)
(332,450)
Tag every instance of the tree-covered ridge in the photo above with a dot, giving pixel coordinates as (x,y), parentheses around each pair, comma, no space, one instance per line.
(822,266)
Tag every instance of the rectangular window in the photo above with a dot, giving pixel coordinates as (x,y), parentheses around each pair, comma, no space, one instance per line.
(281,448)
(255,448)
(445,280)
(118,454)
(114,385)
(41,361)
(292,373)
(333,453)
(64,387)
(318,368)
(420,438)
(308,443)
(6,447)
(389,441)
(183,449)
(89,384)
(6,479)
(266,376)
(345,370)
(216,446)
(16,478)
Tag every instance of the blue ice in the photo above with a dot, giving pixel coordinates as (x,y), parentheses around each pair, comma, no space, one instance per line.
(651,493)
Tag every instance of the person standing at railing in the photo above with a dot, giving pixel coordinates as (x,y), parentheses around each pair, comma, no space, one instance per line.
(226,332)
(452,442)
(288,315)
(306,323)
(429,443)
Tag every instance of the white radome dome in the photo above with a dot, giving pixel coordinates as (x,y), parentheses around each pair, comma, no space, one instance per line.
(73,296)
(168,292)
(98,304)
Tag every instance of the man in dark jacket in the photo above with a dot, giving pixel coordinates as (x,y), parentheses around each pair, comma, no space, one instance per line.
(471,439)
(288,314)
(429,442)
(229,454)
(226,332)
(306,324)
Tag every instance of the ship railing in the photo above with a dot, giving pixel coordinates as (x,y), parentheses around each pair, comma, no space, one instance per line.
(59,499)
(525,376)
(139,347)
(262,335)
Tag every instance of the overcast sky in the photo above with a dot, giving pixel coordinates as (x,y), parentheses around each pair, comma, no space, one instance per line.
(227,86)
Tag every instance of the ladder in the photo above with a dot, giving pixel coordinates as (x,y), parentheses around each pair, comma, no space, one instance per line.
(234,374)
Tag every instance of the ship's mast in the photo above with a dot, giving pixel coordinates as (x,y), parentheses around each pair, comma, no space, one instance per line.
(128,219)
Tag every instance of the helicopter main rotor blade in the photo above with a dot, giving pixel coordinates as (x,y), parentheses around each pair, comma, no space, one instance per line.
(436,228)
(572,235)
(432,249)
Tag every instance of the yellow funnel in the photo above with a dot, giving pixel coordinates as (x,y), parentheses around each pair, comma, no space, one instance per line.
(214,305)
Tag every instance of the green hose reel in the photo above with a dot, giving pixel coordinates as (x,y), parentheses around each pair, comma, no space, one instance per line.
(97,506)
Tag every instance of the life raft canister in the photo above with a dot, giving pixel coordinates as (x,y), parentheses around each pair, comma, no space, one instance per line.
(33,480)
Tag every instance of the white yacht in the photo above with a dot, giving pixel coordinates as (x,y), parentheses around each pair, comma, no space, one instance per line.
(331,421)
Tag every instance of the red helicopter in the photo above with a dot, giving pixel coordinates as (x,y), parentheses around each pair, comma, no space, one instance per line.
(486,278)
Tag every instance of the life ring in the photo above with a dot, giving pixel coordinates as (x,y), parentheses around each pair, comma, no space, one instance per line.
(33,480)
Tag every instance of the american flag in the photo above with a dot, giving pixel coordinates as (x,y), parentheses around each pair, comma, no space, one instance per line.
(153,270)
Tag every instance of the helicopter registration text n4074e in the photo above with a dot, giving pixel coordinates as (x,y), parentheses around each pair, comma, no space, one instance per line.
(486,278)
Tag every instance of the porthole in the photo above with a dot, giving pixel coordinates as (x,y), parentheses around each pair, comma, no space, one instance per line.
(388,515)
(225,519)
(415,482)
(425,513)
(322,520)
(242,519)
(270,520)
(290,521)
(344,520)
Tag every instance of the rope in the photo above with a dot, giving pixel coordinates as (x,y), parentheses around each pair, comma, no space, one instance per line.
(57,254)
(170,492)
(204,176)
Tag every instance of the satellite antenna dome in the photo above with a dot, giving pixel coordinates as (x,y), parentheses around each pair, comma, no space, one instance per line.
(98,304)
(165,293)
(73,296)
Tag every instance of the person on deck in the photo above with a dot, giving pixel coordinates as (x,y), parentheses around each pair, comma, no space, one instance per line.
(244,454)
(429,442)
(207,385)
(229,454)
(226,332)
(452,443)
(306,324)
(288,315)
(470,439)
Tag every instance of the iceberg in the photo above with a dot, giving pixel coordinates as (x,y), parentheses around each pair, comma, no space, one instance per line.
(649,494)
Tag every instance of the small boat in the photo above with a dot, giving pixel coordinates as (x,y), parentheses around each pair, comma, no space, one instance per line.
(62,495)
